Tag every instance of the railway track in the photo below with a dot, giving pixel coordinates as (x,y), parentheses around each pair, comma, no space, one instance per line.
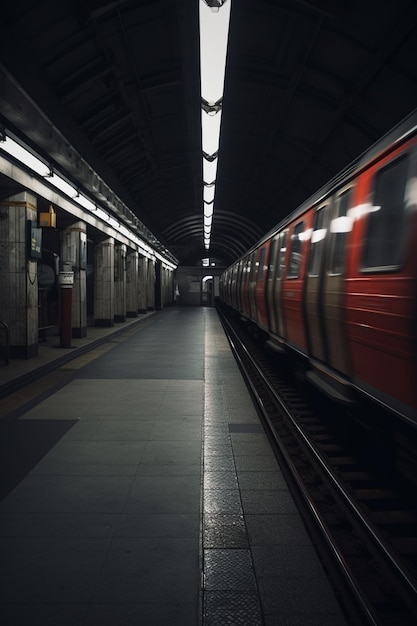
(362,520)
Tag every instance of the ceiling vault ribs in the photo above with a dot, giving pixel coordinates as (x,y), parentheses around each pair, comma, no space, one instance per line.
(309,85)
(387,46)
(289,92)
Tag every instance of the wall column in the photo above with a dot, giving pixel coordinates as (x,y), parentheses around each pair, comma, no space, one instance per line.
(143,284)
(104,283)
(19,274)
(120,283)
(132,284)
(74,253)
(151,286)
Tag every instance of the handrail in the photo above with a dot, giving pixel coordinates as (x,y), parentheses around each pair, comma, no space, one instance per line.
(6,352)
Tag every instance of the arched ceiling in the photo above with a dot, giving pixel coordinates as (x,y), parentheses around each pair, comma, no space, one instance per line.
(309,85)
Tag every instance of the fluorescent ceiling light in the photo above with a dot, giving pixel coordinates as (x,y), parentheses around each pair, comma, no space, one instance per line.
(25,157)
(209,169)
(208,210)
(210,128)
(62,185)
(86,203)
(208,193)
(214,32)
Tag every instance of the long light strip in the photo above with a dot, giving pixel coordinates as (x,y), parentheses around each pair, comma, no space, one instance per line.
(214,32)
(42,169)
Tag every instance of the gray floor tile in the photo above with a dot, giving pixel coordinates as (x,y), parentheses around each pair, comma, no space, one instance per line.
(48,570)
(159,525)
(176,430)
(219,463)
(301,619)
(276,530)
(55,468)
(313,597)
(57,524)
(261,480)
(220,480)
(246,448)
(112,430)
(271,502)
(164,494)
(232,608)
(251,463)
(228,570)
(150,570)
(95,452)
(224,531)
(218,449)
(174,614)
(43,614)
(222,501)
(147,469)
(286,561)
(172,452)
(69,494)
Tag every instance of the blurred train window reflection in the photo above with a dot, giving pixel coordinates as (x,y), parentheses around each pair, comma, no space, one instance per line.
(386,224)
(295,255)
(340,228)
(273,257)
(317,241)
(261,264)
(282,253)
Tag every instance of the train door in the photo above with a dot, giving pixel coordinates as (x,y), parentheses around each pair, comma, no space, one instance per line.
(236,287)
(246,268)
(276,272)
(292,296)
(334,283)
(260,285)
(239,285)
(270,283)
(252,285)
(314,284)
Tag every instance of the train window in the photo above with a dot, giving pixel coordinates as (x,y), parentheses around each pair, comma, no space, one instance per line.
(273,257)
(282,254)
(252,267)
(386,222)
(340,228)
(261,264)
(247,269)
(317,239)
(295,252)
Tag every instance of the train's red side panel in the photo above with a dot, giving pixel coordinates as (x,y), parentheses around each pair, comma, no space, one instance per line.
(381,313)
(260,289)
(293,283)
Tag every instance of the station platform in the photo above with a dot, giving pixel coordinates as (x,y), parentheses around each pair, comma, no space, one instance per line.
(138,488)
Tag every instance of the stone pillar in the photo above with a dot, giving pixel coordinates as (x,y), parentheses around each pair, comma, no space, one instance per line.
(120,283)
(74,254)
(132,284)
(143,284)
(104,283)
(151,285)
(19,274)
(159,285)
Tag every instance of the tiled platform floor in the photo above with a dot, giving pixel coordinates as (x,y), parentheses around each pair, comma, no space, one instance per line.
(146,493)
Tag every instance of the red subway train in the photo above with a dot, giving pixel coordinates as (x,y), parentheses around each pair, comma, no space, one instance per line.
(334,285)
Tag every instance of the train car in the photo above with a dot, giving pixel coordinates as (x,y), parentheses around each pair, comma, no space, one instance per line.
(335,283)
